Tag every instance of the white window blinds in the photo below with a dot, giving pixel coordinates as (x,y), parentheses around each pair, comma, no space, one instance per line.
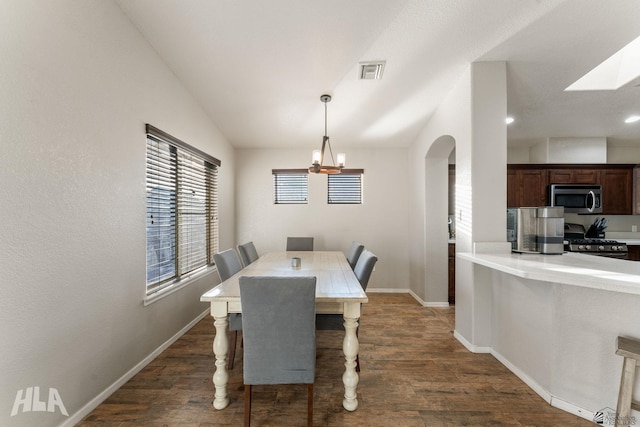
(345,187)
(182,209)
(290,186)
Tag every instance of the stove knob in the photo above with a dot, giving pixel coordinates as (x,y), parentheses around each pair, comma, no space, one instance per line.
(587,247)
(601,248)
(581,247)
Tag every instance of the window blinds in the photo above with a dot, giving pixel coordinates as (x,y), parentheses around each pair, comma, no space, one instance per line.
(346,187)
(290,186)
(182,209)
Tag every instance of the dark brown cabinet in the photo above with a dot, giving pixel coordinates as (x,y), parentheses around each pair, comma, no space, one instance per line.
(452,273)
(527,184)
(526,187)
(634,252)
(636,190)
(617,191)
(573,176)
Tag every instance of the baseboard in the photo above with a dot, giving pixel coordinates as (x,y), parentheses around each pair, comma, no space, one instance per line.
(572,409)
(530,382)
(410,292)
(540,391)
(93,403)
(471,347)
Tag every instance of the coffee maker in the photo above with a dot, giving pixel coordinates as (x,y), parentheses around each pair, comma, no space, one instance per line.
(536,230)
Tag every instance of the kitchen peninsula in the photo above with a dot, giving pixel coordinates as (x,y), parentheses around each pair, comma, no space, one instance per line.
(553,320)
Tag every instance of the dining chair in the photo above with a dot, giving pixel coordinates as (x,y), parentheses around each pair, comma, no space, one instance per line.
(228,264)
(364,267)
(299,243)
(278,350)
(354,253)
(248,253)
(335,322)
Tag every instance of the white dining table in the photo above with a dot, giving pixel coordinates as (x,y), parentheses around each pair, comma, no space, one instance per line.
(338,291)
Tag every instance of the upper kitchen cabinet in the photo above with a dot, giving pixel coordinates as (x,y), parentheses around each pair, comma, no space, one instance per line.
(526,186)
(636,190)
(574,176)
(617,191)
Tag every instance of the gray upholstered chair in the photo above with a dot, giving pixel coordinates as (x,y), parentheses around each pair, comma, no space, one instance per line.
(278,350)
(299,243)
(228,264)
(362,270)
(248,253)
(364,267)
(354,253)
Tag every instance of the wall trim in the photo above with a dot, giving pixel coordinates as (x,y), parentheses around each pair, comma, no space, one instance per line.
(413,294)
(471,347)
(96,401)
(530,382)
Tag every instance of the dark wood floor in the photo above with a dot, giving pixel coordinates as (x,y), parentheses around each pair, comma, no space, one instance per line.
(413,373)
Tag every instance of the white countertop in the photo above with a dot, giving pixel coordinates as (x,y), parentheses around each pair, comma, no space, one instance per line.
(569,268)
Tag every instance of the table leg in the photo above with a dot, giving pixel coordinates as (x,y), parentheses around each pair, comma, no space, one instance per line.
(350,347)
(220,349)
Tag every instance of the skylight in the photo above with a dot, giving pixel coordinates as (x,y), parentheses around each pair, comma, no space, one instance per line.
(615,72)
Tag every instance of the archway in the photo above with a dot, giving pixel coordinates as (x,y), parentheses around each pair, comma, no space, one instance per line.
(436,217)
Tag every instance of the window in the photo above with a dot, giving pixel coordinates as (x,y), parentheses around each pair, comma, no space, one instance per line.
(345,187)
(182,209)
(290,186)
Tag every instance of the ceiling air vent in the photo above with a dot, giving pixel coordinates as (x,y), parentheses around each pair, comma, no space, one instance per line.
(371,70)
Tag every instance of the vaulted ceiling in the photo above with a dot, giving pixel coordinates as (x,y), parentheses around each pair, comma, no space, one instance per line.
(259,67)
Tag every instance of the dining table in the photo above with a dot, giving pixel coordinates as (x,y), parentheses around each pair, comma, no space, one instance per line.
(338,291)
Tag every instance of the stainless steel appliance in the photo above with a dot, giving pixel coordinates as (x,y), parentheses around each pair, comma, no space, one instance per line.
(575,241)
(576,198)
(536,230)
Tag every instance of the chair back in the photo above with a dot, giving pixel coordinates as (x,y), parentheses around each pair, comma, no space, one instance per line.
(227,263)
(299,243)
(364,267)
(354,254)
(248,253)
(278,316)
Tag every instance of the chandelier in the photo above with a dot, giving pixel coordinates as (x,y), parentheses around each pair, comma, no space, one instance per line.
(317,163)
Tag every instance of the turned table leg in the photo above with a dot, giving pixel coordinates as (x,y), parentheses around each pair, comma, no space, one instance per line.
(220,349)
(350,348)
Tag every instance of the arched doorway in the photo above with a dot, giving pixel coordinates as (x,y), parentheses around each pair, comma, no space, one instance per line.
(436,218)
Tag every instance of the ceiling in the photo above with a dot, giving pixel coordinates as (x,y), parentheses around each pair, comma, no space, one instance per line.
(259,67)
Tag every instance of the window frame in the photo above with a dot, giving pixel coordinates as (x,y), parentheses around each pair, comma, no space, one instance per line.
(290,176)
(349,195)
(187,205)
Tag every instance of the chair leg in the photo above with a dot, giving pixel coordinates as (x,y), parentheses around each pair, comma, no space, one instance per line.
(247,405)
(309,405)
(625,396)
(231,354)
(357,363)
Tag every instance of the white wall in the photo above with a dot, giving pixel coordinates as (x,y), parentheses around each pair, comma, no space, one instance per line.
(380,223)
(428,246)
(77,85)
(473,115)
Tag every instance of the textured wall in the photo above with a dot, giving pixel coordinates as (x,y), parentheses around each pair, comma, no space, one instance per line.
(380,223)
(77,85)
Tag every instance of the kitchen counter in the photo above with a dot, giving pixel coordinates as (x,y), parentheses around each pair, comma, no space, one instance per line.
(553,321)
(575,269)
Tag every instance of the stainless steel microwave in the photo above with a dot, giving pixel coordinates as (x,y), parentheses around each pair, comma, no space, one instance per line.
(576,198)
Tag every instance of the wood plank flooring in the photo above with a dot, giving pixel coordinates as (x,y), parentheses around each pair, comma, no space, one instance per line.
(413,373)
